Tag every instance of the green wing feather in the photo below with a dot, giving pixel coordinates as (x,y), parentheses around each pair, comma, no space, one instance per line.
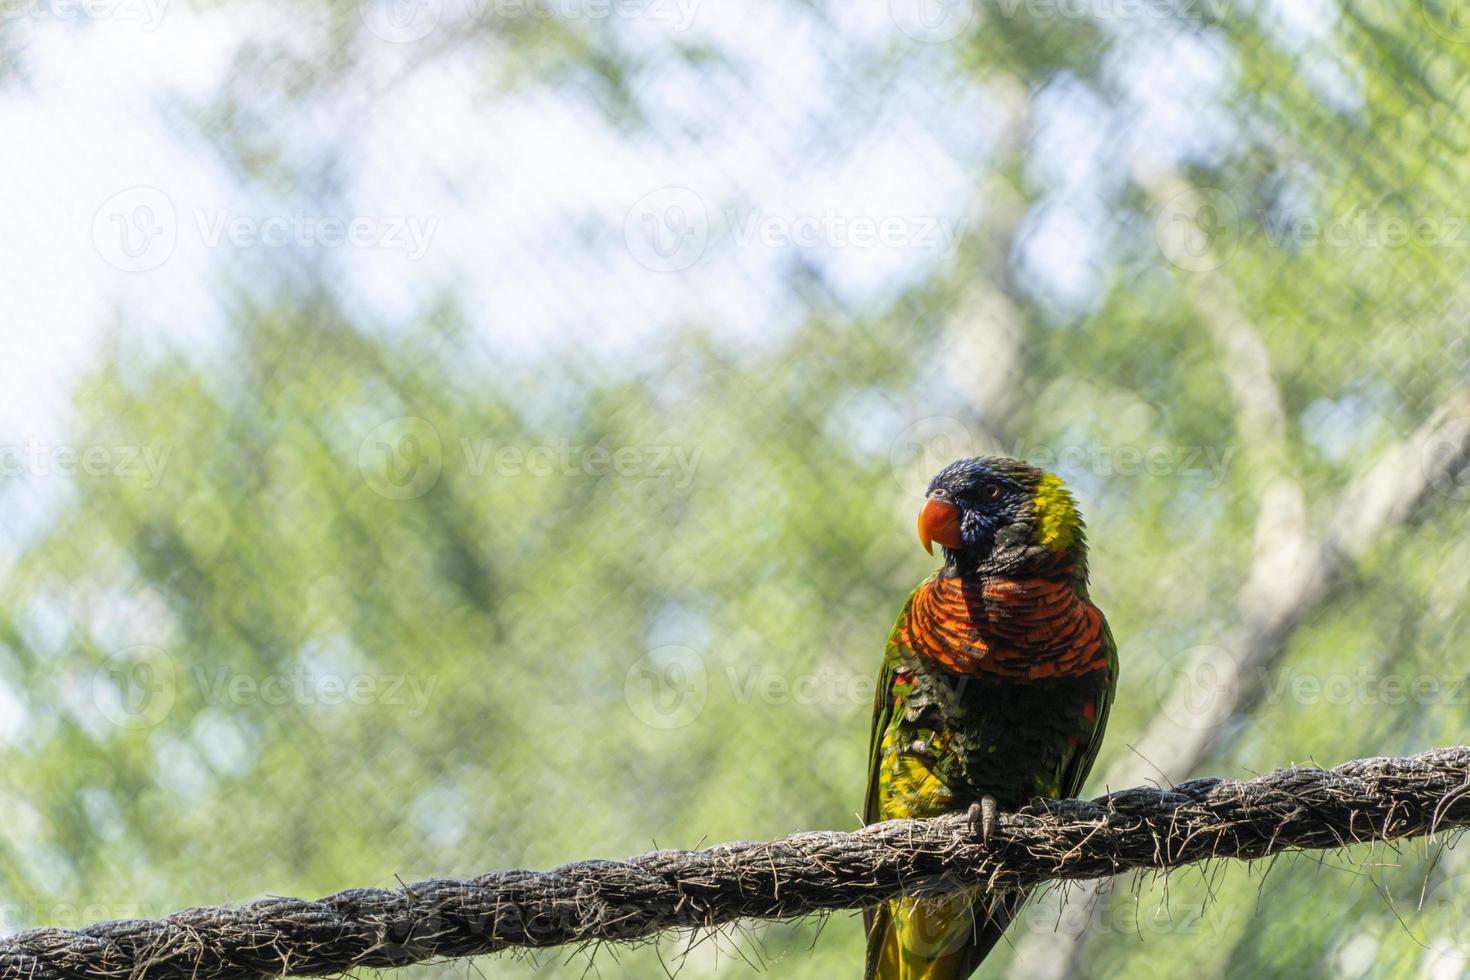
(1074,778)
(882,715)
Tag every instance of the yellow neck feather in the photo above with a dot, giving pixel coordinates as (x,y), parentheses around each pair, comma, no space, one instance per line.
(1057,522)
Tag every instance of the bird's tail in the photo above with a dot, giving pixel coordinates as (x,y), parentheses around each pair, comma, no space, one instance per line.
(936,938)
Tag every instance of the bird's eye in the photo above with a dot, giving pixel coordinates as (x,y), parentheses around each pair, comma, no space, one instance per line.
(990,491)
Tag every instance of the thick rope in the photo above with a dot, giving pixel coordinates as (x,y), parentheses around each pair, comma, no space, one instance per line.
(621,901)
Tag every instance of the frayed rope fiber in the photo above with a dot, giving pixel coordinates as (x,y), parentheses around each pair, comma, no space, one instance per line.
(1381,799)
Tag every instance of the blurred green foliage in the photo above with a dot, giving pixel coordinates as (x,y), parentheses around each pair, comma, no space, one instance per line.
(583,606)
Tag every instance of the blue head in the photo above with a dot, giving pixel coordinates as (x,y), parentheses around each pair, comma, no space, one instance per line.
(995,515)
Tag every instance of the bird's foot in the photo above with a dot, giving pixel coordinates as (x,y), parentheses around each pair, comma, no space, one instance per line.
(983,818)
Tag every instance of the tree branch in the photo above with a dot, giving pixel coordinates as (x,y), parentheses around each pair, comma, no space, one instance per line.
(1382,799)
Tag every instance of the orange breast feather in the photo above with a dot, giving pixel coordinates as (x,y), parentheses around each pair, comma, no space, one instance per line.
(1027,629)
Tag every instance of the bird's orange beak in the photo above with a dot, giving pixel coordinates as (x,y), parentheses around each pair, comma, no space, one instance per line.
(939,521)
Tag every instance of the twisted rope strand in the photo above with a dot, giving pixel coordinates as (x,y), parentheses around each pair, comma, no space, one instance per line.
(1382,799)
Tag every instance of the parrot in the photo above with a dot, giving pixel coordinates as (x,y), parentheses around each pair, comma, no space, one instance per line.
(995,688)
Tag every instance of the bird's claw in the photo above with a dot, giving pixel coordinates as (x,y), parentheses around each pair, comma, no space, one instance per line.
(983,818)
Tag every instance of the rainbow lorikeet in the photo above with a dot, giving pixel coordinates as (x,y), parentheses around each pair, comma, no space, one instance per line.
(995,690)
